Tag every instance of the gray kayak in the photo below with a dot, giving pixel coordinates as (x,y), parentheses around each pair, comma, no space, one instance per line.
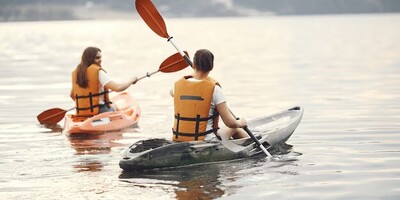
(271,131)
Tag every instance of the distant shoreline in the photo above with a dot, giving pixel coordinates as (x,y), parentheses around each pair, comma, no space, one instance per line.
(64,10)
(59,13)
(206,17)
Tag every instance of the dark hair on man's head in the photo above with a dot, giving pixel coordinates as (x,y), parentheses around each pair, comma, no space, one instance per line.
(203,60)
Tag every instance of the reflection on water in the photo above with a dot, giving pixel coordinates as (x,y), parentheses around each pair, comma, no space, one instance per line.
(89,166)
(93,144)
(195,182)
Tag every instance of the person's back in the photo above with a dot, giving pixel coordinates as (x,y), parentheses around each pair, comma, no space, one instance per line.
(198,102)
(87,99)
(192,100)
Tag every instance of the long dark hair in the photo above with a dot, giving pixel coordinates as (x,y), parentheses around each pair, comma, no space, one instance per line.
(203,60)
(88,57)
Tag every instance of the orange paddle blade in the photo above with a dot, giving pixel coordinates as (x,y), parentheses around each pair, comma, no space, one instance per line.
(51,116)
(152,17)
(173,63)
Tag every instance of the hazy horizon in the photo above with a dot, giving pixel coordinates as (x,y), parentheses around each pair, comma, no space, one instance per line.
(50,10)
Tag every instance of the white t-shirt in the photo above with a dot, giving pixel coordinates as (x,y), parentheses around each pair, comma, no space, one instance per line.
(104,78)
(217,98)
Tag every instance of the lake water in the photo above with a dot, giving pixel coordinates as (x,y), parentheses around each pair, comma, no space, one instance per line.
(343,70)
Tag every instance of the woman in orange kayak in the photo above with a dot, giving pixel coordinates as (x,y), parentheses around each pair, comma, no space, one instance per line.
(91,84)
(198,103)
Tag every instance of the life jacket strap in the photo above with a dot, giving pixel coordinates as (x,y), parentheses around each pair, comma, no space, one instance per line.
(77,104)
(90,96)
(197,119)
(193,135)
(178,117)
(177,126)
(91,101)
(88,108)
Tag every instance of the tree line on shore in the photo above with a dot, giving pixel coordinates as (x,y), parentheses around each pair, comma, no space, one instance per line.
(35,10)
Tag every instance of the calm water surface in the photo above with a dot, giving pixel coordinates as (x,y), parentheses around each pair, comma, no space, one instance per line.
(344,70)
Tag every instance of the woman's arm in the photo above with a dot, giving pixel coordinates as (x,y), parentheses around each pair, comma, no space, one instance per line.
(227,117)
(118,87)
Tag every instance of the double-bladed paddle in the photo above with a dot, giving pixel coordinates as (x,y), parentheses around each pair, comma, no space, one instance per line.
(155,21)
(173,63)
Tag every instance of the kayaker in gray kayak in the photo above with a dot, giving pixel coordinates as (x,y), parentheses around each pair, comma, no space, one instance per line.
(196,121)
(198,103)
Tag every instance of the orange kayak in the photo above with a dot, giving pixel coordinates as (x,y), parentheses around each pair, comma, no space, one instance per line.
(126,114)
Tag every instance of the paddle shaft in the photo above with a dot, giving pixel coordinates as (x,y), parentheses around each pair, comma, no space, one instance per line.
(147,75)
(256,141)
(180,52)
(245,128)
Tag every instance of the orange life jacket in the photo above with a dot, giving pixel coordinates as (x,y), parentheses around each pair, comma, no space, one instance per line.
(192,102)
(87,99)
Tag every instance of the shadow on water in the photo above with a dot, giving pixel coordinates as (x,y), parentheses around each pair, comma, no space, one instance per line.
(210,180)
